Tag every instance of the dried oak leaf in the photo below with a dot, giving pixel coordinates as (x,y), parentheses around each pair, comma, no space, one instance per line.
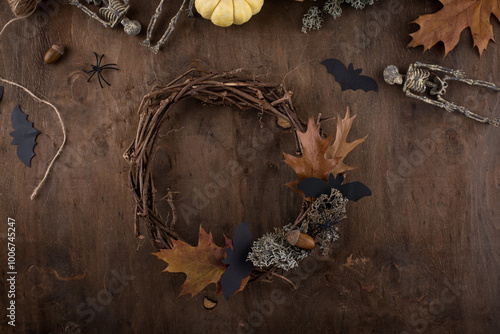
(218,289)
(313,162)
(341,147)
(201,264)
(244,282)
(319,159)
(447,24)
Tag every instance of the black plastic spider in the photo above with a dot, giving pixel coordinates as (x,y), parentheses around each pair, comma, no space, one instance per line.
(98,69)
(326,226)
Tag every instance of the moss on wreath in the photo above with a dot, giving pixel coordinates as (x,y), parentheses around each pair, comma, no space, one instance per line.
(314,17)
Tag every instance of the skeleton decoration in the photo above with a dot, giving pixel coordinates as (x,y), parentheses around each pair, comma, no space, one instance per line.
(114,12)
(170,28)
(418,79)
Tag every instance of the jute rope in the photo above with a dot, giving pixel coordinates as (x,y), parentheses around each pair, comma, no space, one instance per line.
(23,9)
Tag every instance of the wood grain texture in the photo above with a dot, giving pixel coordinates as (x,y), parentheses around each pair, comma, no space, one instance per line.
(419,256)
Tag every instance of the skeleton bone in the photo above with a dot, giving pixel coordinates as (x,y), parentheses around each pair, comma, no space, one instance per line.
(417,80)
(114,12)
(152,23)
(171,26)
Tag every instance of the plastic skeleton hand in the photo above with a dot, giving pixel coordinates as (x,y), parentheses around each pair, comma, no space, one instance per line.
(417,81)
(170,28)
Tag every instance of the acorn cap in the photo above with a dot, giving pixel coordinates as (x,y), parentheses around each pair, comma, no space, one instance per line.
(209,303)
(292,237)
(59,48)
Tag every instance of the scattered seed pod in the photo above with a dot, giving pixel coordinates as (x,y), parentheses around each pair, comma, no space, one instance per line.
(301,240)
(54,53)
(209,304)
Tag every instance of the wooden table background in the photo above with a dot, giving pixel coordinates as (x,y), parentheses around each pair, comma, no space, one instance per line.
(419,256)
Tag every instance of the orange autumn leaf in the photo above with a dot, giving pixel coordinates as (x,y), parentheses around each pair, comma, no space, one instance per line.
(201,264)
(341,147)
(319,158)
(447,24)
(243,284)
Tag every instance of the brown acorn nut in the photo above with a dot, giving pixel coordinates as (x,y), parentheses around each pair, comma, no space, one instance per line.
(301,240)
(54,53)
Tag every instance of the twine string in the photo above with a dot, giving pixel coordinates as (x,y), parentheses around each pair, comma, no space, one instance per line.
(23,9)
(6,24)
(47,171)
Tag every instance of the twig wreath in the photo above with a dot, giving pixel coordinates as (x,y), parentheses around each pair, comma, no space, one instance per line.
(319,168)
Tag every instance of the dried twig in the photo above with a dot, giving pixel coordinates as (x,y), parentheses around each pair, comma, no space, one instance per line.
(170,202)
(286,280)
(306,207)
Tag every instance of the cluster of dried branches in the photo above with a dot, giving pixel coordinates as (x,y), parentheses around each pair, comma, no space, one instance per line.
(211,88)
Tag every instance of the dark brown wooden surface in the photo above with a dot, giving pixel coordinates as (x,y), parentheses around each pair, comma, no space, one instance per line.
(425,247)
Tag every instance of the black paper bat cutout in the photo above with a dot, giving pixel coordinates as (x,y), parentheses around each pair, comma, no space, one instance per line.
(24,135)
(1,92)
(238,268)
(348,77)
(314,187)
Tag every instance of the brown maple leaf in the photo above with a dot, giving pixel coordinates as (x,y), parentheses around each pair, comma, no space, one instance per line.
(319,159)
(201,264)
(447,24)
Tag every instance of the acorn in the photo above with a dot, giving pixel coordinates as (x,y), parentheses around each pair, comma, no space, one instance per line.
(54,53)
(301,240)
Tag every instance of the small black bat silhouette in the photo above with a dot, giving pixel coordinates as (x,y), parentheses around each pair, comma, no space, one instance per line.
(348,77)
(24,135)
(238,268)
(314,187)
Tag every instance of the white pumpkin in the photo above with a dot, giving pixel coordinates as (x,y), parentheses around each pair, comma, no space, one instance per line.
(224,13)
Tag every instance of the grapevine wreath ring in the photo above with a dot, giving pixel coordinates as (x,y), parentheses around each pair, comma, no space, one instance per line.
(325,197)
